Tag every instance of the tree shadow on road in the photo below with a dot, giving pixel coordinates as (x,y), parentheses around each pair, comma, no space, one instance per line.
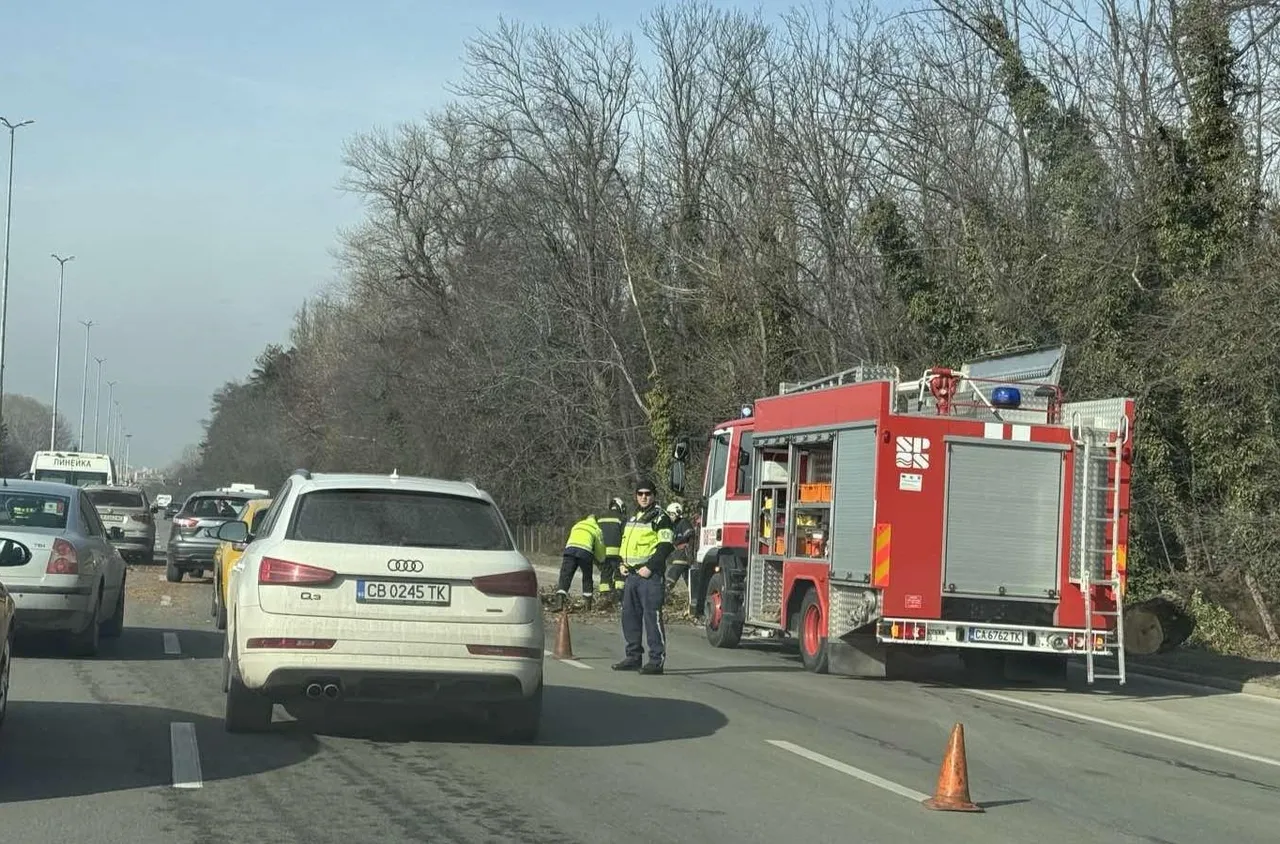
(52,749)
(571,717)
(1025,674)
(135,644)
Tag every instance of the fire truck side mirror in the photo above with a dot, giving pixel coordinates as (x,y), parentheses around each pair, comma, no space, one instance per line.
(675,477)
(681,450)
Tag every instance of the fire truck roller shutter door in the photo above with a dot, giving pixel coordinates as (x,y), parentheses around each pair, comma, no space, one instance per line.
(1003,519)
(853,514)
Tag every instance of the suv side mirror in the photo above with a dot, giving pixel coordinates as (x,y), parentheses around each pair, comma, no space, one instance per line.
(233,532)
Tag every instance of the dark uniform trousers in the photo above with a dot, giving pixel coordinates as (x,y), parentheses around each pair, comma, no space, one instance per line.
(642,599)
(573,560)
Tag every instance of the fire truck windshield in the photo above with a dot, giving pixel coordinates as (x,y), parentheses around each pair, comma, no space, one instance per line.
(717,463)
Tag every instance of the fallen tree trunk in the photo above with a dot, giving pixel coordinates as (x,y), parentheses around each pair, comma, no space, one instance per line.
(1156,625)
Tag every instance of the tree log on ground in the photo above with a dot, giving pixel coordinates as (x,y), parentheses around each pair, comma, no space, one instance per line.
(1156,625)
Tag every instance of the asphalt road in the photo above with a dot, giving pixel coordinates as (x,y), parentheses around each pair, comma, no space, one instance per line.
(729,746)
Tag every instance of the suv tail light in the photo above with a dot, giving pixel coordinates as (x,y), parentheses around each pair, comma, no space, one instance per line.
(143,517)
(513,584)
(275,572)
(63,560)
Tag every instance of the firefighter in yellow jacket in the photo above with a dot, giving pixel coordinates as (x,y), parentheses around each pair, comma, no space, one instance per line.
(583,550)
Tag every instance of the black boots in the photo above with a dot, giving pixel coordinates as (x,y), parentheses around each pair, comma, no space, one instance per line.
(635,665)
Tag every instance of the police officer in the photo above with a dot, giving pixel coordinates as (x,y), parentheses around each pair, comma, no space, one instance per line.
(611,523)
(584,549)
(647,541)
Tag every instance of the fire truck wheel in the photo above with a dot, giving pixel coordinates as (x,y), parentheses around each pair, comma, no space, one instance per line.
(813,649)
(720,635)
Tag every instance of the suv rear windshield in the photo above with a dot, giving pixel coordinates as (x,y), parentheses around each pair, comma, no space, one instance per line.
(395,517)
(114,498)
(215,507)
(34,510)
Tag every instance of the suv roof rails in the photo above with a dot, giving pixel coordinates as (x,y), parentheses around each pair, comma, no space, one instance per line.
(304,473)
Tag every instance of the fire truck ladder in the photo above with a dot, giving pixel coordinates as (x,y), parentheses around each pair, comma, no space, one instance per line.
(1106,455)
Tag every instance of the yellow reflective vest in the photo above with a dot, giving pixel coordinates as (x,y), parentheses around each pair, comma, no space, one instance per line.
(644,532)
(587,536)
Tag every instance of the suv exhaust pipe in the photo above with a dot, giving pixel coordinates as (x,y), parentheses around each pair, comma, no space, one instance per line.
(332,691)
(313,690)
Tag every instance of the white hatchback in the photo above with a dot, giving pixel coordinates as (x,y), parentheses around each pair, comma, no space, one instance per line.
(382,589)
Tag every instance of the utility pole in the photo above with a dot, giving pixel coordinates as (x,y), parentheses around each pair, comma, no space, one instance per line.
(57,348)
(4,280)
(97,402)
(111,393)
(84,397)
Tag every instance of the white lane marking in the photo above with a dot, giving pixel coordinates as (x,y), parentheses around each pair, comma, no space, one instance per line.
(856,773)
(186,755)
(165,600)
(171,645)
(1116,725)
(572,662)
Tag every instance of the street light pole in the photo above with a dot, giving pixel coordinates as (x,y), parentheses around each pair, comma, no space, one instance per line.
(4,280)
(127,439)
(57,348)
(111,393)
(84,396)
(119,430)
(97,402)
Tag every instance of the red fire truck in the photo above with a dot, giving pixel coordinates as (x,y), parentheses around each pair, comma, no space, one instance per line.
(972,510)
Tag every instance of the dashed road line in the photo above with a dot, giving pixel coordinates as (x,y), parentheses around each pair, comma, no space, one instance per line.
(165,600)
(171,645)
(575,663)
(1117,725)
(186,755)
(856,773)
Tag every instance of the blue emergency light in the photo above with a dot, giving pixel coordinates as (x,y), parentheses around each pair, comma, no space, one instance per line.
(1010,397)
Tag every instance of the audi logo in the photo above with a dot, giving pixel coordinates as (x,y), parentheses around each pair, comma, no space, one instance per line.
(404,565)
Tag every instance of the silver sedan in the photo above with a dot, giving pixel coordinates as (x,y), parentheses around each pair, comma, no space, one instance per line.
(58,563)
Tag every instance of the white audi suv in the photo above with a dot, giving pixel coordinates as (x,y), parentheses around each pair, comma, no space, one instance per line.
(382,589)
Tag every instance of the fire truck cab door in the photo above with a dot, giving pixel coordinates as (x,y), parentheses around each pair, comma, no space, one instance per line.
(714,489)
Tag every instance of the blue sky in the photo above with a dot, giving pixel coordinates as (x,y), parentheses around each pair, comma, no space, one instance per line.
(188,154)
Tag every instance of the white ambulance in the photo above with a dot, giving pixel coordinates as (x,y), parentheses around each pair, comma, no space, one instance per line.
(80,468)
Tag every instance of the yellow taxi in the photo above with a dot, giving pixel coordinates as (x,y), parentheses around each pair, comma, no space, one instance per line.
(228,553)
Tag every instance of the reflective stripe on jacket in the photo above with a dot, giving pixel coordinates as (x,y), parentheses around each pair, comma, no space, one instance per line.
(611,529)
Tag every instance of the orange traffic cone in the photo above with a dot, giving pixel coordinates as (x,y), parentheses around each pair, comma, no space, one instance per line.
(564,647)
(952,792)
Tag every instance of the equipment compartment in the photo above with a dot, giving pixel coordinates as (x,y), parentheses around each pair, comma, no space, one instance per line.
(1003,520)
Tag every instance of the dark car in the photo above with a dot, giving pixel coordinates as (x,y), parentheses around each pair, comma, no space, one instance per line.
(193,538)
